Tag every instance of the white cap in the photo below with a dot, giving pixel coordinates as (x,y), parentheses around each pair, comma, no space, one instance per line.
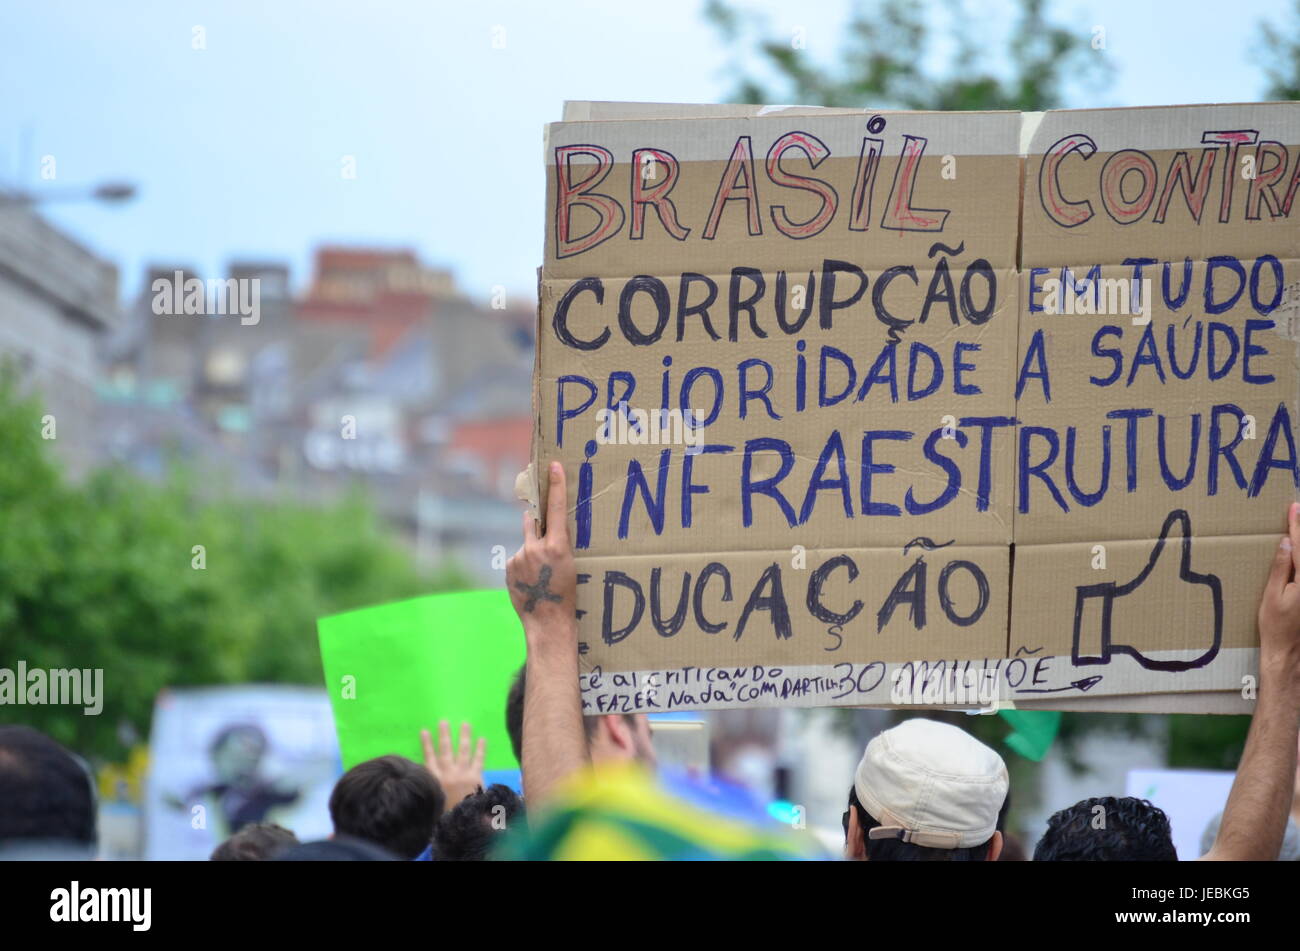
(931,784)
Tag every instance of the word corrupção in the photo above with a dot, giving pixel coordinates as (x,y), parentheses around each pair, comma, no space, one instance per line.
(970,297)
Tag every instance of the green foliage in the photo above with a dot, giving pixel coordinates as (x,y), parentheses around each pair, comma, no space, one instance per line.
(1192,741)
(1206,742)
(883,61)
(1282,58)
(101,575)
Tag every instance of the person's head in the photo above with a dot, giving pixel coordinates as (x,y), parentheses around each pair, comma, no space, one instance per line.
(390,801)
(337,849)
(237,752)
(611,737)
(469,831)
(1108,830)
(515,715)
(926,792)
(620,737)
(255,843)
(1013,850)
(47,800)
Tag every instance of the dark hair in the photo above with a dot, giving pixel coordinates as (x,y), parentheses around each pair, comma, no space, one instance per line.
(1130,830)
(388,800)
(337,849)
(515,716)
(896,850)
(45,793)
(468,832)
(255,843)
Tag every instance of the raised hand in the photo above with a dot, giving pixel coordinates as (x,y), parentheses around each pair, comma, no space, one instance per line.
(541,576)
(459,773)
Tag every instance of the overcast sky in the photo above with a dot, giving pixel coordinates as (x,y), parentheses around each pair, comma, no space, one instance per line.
(238,147)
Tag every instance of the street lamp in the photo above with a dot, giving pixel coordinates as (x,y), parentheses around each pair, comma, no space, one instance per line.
(114,192)
(111,193)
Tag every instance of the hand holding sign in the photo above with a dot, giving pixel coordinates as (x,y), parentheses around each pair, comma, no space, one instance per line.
(1279,613)
(541,576)
(1098,601)
(543,582)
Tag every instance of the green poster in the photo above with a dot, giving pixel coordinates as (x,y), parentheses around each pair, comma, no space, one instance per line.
(397,668)
(1034,731)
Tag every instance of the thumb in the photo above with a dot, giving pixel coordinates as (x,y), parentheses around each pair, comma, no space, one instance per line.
(557,520)
(1279,574)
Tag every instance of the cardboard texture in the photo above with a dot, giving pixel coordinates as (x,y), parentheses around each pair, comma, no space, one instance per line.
(857,405)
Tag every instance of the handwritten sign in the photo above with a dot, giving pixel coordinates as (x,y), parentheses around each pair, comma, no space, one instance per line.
(879,409)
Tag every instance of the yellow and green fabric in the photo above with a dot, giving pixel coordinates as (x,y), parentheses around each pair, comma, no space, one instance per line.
(620,813)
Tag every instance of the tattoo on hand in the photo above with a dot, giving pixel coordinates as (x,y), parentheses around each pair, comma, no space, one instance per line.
(538,592)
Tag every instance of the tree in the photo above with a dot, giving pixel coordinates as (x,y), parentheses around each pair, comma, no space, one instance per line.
(882,62)
(109,575)
(1281,59)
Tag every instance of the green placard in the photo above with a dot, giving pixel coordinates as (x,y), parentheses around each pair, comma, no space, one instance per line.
(397,668)
(1034,731)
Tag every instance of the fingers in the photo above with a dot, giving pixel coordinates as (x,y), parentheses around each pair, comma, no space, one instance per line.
(530,527)
(1293,530)
(462,750)
(426,741)
(444,739)
(1279,573)
(480,756)
(557,519)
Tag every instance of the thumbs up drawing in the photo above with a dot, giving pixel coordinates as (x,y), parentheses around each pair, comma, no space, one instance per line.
(1088,636)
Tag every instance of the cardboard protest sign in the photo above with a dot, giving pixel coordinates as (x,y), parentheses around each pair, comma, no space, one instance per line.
(1157,450)
(828,435)
(398,668)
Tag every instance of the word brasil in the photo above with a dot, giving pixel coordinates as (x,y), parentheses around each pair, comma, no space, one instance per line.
(651,187)
(1269,190)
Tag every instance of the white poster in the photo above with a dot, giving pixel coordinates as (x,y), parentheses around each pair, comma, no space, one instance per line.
(223,757)
(1189,797)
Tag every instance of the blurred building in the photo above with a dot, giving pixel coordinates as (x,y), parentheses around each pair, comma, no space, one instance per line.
(437,388)
(382,374)
(57,303)
(178,385)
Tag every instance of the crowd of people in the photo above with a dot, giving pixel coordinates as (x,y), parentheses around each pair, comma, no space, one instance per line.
(923,790)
